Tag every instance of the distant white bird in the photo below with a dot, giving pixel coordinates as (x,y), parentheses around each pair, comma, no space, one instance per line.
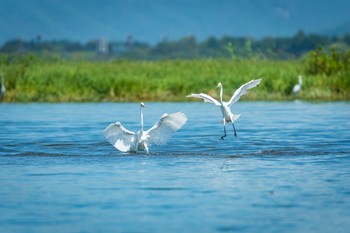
(228,116)
(128,141)
(297,87)
(3,89)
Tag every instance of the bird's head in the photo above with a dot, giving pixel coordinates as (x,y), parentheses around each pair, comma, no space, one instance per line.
(142,105)
(219,85)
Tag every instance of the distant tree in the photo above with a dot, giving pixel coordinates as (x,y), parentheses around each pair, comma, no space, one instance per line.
(186,48)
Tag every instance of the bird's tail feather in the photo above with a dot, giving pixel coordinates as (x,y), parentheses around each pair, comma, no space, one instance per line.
(235,117)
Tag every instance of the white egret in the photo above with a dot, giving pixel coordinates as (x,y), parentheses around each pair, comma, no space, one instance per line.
(227,115)
(128,141)
(297,87)
(3,89)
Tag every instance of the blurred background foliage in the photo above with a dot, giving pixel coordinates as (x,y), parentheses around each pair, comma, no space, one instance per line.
(63,71)
(280,48)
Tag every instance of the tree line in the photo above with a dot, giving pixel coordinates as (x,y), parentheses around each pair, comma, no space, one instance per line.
(279,48)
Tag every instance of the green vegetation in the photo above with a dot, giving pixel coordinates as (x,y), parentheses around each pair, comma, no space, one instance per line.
(30,78)
(321,62)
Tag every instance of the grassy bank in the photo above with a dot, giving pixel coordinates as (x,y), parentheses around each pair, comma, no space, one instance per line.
(63,81)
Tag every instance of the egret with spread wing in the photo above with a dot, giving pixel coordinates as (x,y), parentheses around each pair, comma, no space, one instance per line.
(128,141)
(227,115)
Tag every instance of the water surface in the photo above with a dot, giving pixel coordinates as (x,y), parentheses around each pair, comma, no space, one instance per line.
(288,170)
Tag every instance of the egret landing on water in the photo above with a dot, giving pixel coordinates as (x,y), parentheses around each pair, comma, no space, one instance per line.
(297,87)
(128,141)
(227,115)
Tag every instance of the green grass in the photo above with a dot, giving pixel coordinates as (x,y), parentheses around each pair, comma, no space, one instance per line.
(66,81)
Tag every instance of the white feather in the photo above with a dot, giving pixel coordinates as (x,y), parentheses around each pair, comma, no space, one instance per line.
(119,137)
(206,98)
(165,127)
(243,90)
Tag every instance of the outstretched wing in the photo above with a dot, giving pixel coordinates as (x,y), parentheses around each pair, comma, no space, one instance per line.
(242,90)
(119,137)
(206,98)
(165,127)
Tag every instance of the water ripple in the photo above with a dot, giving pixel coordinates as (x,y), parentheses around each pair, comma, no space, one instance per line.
(288,170)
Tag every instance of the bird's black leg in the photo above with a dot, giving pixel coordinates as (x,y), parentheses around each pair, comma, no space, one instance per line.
(234,129)
(222,137)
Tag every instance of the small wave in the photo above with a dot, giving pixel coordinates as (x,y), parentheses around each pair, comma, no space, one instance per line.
(183,154)
(39,154)
(235,228)
(75,145)
(240,154)
(163,188)
(57,174)
(292,153)
(283,206)
(188,154)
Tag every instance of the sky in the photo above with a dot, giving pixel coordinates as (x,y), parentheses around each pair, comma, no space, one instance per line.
(153,20)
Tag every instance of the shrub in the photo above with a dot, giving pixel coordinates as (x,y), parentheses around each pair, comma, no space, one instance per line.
(321,62)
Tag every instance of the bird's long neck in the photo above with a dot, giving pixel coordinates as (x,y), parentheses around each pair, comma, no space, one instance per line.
(221,93)
(141,116)
(300,81)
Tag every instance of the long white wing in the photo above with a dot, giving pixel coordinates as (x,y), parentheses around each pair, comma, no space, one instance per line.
(242,90)
(165,127)
(119,137)
(206,98)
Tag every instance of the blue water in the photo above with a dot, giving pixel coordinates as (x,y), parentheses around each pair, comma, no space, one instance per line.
(288,170)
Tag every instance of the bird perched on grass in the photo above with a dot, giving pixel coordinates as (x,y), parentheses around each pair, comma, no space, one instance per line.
(3,89)
(227,115)
(297,87)
(128,141)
